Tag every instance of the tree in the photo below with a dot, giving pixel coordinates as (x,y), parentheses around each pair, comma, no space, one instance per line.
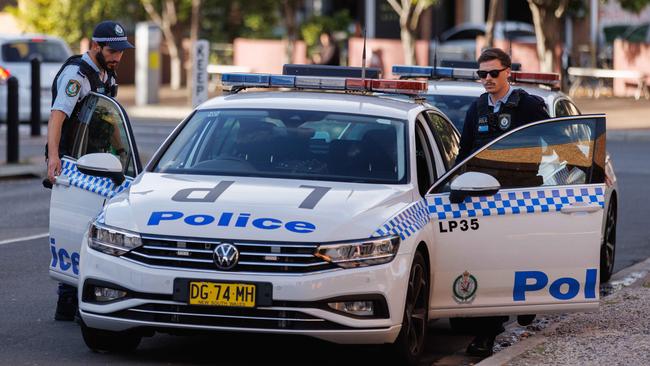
(634,6)
(546,19)
(492,19)
(71,20)
(409,12)
(166,18)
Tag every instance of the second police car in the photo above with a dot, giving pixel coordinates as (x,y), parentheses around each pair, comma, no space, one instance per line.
(453,90)
(329,213)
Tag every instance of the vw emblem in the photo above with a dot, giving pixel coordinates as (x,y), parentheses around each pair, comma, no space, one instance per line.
(225,256)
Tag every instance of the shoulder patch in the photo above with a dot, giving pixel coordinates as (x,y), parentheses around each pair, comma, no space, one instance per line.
(72,89)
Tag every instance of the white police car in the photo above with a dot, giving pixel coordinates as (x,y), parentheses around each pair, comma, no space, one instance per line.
(337,215)
(453,90)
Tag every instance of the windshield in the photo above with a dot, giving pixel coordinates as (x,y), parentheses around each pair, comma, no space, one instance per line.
(289,144)
(24,51)
(453,106)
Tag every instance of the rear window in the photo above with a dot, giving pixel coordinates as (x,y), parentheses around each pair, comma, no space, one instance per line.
(24,51)
(292,144)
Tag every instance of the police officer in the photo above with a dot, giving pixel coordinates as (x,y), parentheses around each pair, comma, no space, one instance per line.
(501,109)
(79,75)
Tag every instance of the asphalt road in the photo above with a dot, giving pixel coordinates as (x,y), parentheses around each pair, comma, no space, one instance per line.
(30,336)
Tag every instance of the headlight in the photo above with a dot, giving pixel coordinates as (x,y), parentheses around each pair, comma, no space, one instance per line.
(111,240)
(359,254)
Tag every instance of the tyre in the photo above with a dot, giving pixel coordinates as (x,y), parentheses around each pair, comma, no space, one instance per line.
(100,340)
(410,342)
(608,246)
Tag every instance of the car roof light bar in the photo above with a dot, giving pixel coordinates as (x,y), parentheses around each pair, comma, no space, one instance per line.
(237,82)
(544,78)
(429,72)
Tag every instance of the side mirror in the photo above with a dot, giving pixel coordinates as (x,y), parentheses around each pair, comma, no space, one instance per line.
(473,184)
(102,165)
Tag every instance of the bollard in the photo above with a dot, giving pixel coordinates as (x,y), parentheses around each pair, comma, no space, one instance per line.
(12,120)
(36,96)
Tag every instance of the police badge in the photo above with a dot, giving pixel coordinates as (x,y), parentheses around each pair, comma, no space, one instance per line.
(464,288)
(504,121)
(72,89)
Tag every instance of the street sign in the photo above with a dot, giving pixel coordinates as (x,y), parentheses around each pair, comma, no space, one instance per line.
(200,51)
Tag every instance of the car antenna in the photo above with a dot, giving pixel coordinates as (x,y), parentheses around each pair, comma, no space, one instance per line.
(363,60)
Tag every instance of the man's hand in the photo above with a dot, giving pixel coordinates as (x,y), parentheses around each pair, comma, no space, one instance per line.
(53,168)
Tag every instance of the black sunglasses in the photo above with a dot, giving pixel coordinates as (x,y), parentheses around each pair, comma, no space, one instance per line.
(484,73)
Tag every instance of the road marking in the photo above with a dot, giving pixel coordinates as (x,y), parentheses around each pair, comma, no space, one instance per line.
(24,238)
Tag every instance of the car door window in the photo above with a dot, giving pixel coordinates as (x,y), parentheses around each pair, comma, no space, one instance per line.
(103,128)
(446,138)
(561,109)
(423,159)
(573,110)
(551,153)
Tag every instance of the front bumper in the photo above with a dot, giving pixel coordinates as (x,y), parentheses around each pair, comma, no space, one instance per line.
(296,306)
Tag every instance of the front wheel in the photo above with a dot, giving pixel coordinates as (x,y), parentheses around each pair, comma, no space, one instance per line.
(608,246)
(411,340)
(100,340)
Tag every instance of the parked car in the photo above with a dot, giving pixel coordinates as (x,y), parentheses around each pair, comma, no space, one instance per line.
(16,52)
(459,42)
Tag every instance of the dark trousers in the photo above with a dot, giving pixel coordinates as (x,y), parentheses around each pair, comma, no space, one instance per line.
(489,325)
(66,290)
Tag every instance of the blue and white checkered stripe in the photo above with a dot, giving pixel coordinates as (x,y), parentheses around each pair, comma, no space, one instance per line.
(102,186)
(407,222)
(515,202)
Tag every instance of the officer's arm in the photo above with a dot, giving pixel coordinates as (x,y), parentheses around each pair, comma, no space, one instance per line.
(467,137)
(539,111)
(54,127)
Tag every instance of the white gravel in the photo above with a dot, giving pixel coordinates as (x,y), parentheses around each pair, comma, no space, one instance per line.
(618,334)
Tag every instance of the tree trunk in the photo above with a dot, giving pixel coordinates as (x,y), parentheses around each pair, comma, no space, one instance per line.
(491,21)
(175,59)
(547,31)
(194,36)
(408,45)
(289,7)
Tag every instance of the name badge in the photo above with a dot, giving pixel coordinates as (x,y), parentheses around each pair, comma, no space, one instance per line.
(483,125)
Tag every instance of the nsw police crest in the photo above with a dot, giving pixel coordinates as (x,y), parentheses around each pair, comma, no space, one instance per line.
(72,89)
(464,288)
(504,122)
(118,30)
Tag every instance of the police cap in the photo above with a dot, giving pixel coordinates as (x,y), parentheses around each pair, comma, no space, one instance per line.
(111,33)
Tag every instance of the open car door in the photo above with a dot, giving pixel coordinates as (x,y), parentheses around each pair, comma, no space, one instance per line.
(77,198)
(518,224)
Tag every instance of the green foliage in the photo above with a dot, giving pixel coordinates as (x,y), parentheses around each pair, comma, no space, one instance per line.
(72,20)
(225,20)
(634,5)
(314,26)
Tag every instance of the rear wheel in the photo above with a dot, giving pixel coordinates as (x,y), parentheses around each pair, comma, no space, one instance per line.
(410,342)
(100,340)
(608,246)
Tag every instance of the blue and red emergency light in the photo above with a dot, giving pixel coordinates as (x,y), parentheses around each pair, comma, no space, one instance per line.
(429,72)
(237,81)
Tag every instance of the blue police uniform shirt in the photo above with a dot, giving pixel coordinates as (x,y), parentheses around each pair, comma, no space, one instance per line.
(72,86)
(497,105)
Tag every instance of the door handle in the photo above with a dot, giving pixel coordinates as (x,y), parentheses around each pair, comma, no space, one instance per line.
(62,180)
(580,207)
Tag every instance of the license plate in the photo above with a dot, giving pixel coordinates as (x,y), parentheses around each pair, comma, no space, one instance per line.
(222,294)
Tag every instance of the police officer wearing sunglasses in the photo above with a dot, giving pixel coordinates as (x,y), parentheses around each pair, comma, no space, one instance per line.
(501,109)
